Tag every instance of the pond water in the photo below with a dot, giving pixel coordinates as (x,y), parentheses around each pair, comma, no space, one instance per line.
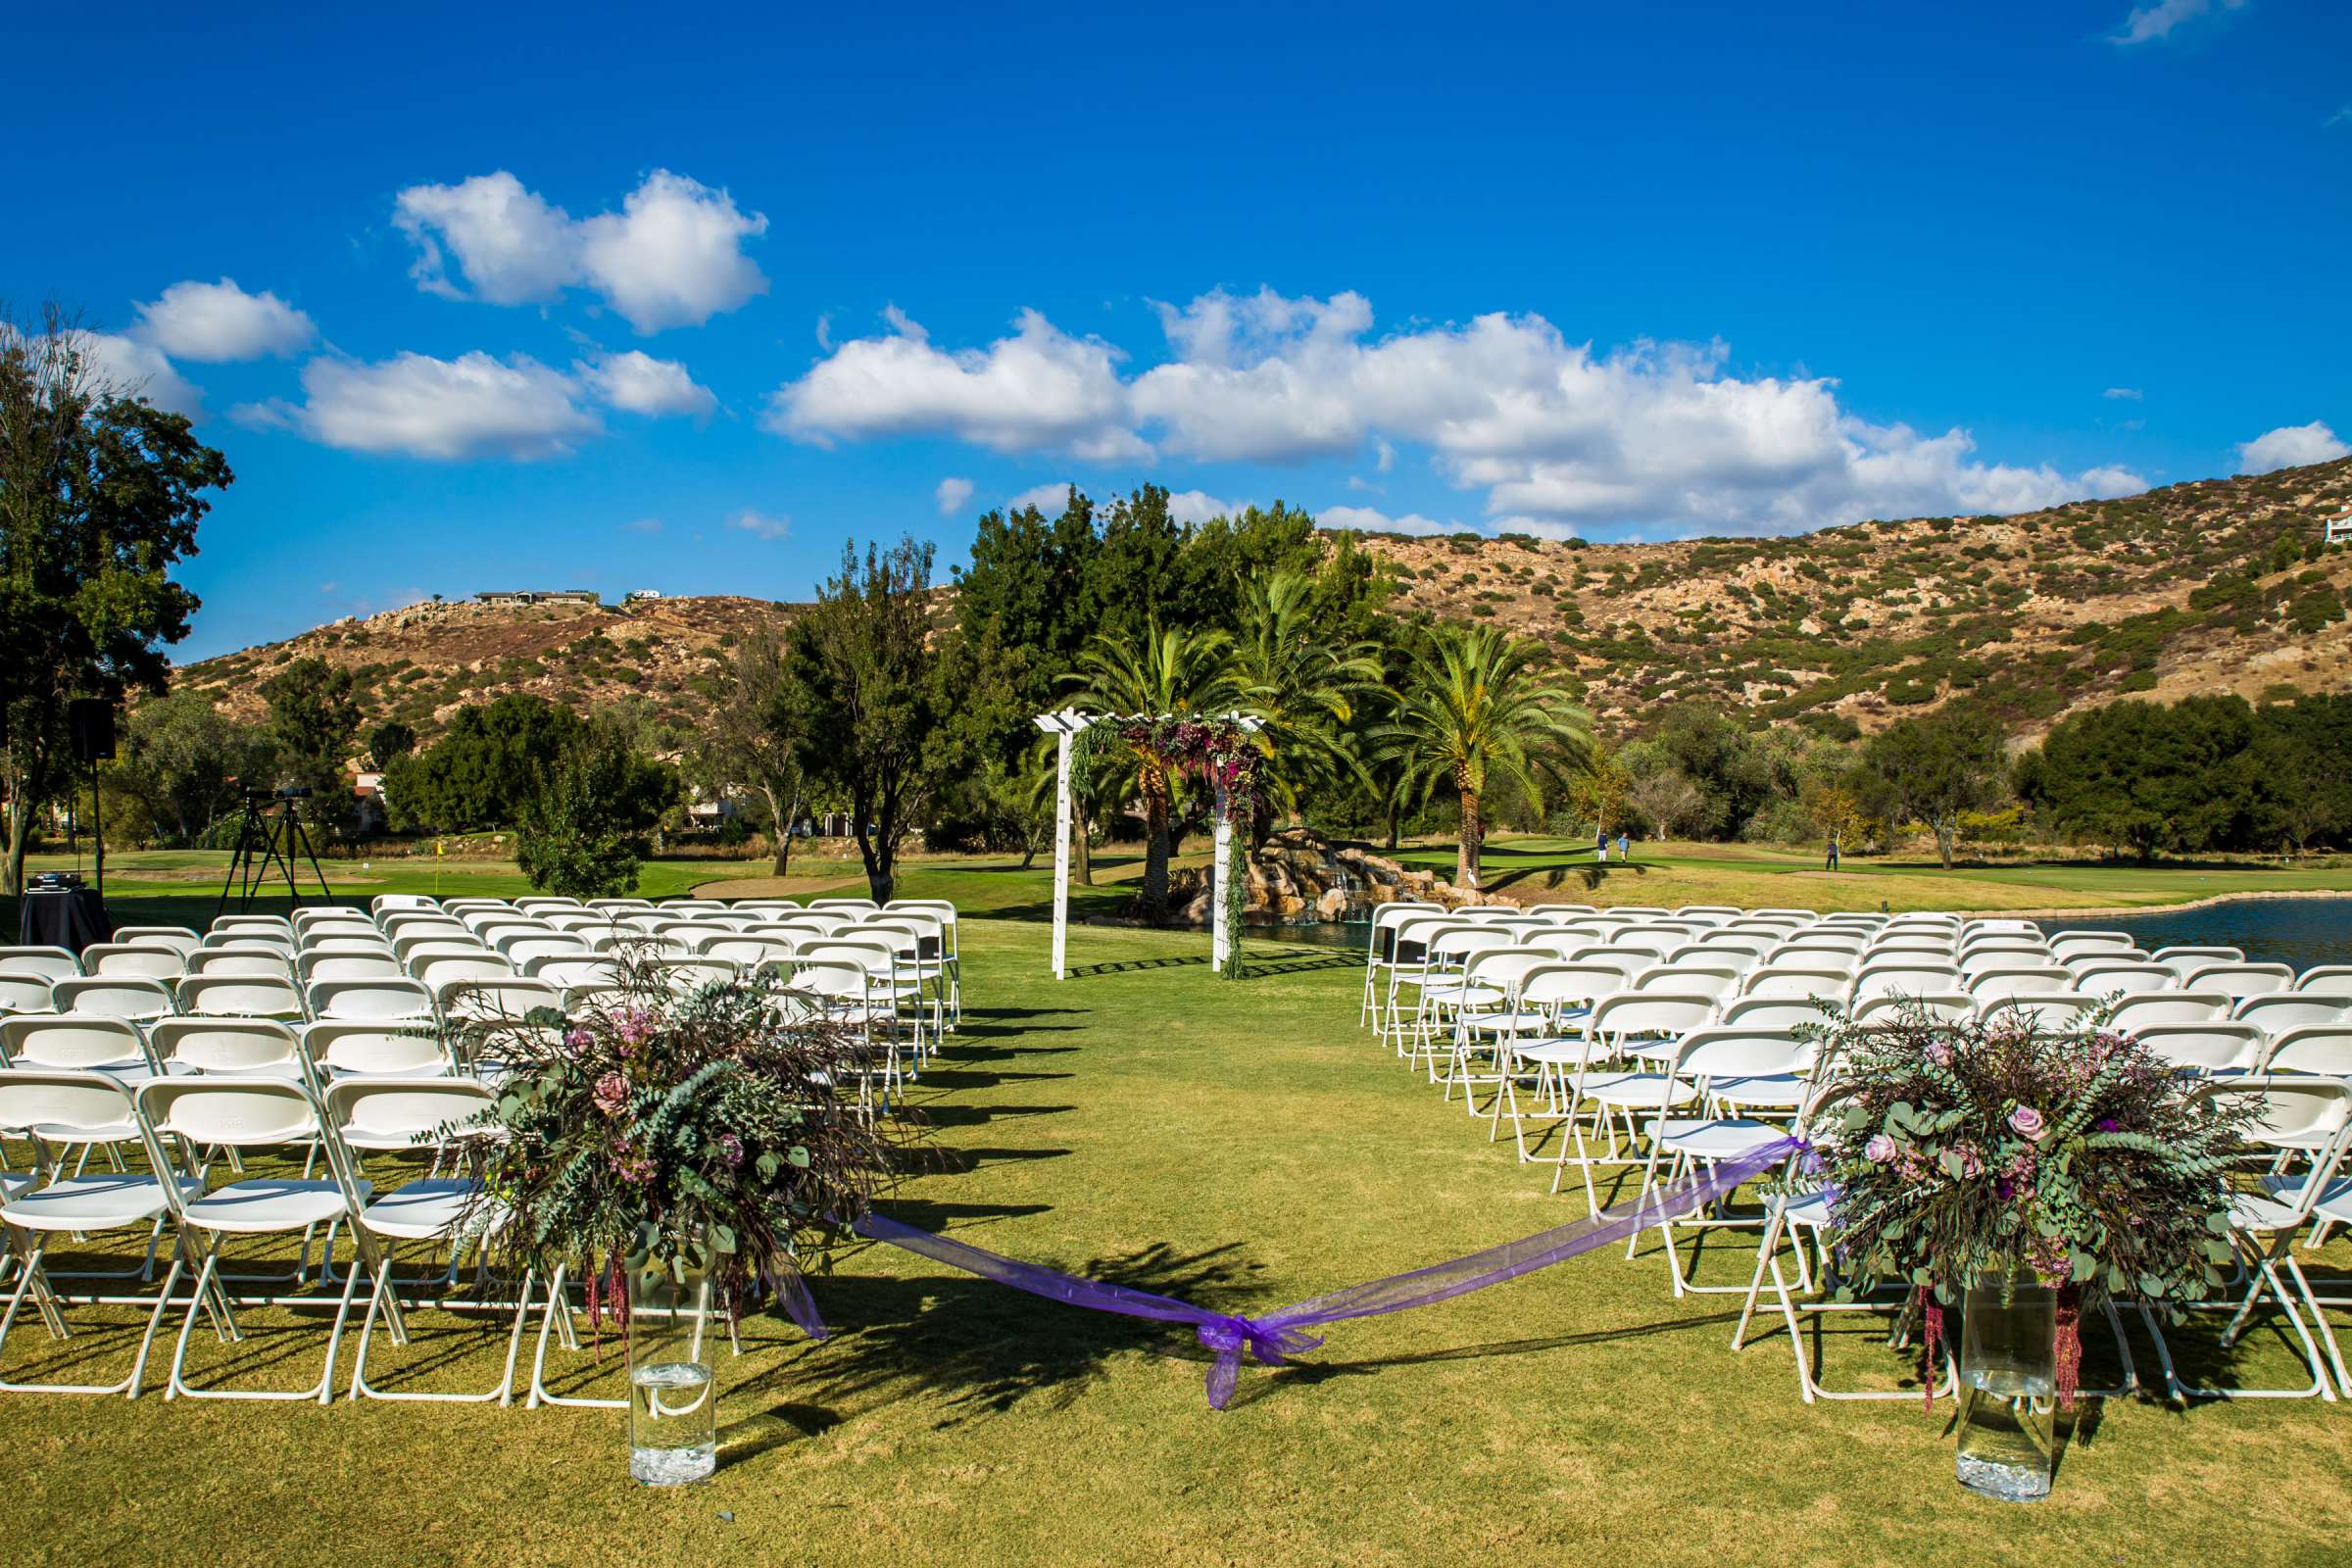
(2300,932)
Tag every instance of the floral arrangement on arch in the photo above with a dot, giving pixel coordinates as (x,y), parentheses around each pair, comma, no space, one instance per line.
(1227,755)
(715,1131)
(1998,1149)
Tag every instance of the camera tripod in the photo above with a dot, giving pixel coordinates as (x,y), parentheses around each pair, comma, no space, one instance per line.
(266,839)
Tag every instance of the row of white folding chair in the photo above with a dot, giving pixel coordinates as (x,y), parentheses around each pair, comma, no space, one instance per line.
(168,1119)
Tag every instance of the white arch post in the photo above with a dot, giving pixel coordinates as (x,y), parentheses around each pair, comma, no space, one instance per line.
(1065,725)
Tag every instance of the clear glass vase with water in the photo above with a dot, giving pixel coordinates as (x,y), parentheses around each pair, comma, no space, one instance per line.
(673,1388)
(2008,1389)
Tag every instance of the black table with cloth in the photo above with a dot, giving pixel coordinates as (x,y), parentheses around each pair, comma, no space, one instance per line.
(72,918)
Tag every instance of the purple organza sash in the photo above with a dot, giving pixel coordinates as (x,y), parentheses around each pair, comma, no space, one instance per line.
(1276,1337)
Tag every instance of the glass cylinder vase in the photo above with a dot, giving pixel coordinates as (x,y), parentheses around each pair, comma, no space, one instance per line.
(2008,1389)
(673,1388)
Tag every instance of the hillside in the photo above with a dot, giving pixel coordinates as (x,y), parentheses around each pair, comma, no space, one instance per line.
(421,664)
(2198,587)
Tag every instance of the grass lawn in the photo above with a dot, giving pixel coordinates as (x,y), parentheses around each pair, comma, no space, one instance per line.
(1755,876)
(1243,1145)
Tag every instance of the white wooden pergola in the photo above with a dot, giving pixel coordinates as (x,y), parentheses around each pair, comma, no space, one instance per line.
(1065,725)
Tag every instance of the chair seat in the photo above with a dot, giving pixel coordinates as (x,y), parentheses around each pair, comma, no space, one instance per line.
(93,1202)
(1560,1052)
(1775,1091)
(1509,1023)
(422,1209)
(1460,995)
(2337,1205)
(1719,1138)
(1811,1210)
(1638,1089)
(270,1204)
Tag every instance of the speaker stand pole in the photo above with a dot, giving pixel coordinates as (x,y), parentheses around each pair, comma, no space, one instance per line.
(98,831)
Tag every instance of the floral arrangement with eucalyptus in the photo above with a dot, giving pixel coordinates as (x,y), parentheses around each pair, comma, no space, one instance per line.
(715,1131)
(2001,1150)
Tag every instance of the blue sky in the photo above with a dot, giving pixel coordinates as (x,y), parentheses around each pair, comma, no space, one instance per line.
(607,299)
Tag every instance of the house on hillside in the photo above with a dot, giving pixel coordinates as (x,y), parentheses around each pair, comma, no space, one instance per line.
(539,596)
(639,596)
(2337,530)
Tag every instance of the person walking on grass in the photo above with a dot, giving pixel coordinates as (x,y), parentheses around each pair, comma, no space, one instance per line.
(1600,845)
(1624,846)
(1832,861)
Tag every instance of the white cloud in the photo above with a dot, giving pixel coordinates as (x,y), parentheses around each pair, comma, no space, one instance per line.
(137,369)
(1198,506)
(215,321)
(673,256)
(513,247)
(2290,446)
(417,406)
(2342,116)
(2154,23)
(643,526)
(635,382)
(1037,390)
(951,495)
(1048,499)
(1649,436)
(1365,519)
(761,527)
(2124,394)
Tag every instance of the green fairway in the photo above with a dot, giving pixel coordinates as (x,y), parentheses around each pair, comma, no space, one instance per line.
(1243,1146)
(183,887)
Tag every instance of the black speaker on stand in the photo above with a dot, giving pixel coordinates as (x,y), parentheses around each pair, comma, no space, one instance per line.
(91,720)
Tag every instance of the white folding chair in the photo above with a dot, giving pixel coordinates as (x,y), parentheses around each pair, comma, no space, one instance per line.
(22,993)
(2142,1009)
(115,958)
(246,1113)
(53,963)
(2207,1047)
(253,961)
(178,937)
(388,1114)
(86,1108)
(369,1000)
(238,995)
(2304,1124)
(2277,1013)
(1801,1214)
(415,1049)
(250,1048)
(135,997)
(1611,1030)
(1747,1085)
(2239,981)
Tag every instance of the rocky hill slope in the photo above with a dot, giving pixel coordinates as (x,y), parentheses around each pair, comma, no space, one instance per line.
(2216,585)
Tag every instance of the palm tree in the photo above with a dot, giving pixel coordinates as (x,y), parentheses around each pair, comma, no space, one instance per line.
(1171,672)
(1476,714)
(1303,689)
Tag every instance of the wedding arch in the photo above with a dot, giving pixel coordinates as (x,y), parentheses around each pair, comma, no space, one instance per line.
(1221,748)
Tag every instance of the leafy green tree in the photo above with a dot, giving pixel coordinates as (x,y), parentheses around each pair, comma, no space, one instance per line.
(2144,777)
(312,727)
(760,719)
(581,829)
(100,495)
(1168,671)
(868,653)
(1726,760)
(390,741)
(2302,769)
(483,769)
(1478,714)
(1933,768)
(179,762)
